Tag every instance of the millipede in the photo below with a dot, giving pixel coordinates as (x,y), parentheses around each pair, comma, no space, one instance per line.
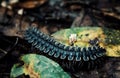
(72,54)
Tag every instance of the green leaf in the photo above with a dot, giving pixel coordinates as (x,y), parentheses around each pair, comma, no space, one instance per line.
(107,38)
(38,66)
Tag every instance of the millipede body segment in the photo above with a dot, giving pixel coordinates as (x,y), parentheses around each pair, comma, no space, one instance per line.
(56,49)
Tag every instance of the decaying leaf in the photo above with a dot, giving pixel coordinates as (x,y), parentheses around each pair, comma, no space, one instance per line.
(32,3)
(38,66)
(87,36)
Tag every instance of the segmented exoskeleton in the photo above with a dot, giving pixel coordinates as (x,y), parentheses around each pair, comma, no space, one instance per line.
(47,44)
(53,48)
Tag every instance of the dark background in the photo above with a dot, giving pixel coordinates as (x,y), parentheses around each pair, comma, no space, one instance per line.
(50,16)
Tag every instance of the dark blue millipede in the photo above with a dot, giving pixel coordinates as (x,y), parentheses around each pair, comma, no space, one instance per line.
(56,49)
